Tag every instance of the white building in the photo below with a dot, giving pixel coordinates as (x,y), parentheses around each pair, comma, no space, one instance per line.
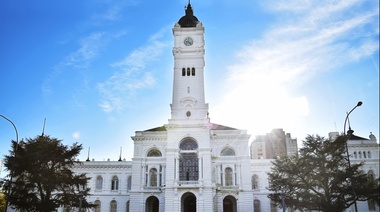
(188,164)
(191,164)
(366,151)
(275,144)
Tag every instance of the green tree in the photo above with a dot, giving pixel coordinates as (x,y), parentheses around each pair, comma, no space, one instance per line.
(319,178)
(2,201)
(42,179)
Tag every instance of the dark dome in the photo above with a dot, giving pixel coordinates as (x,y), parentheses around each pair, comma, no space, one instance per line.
(189,20)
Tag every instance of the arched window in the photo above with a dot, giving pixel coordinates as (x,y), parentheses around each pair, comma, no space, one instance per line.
(129,183)
(360,155)
(188,161)
(98,205)
(255,182)
(153,177)
(115,183)
(99,183)
(193,72)
(188,144)
(355,155)
(256,205)
(127,206)
(188,71)
(369,154)
(364,154)
(154,153)
(183,72)
(113,206)
(227,152)
(228,176)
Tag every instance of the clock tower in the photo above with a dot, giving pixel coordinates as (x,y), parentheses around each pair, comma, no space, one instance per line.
(188,103)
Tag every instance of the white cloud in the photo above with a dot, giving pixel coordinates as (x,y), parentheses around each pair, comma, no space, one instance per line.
(89,49)
(323,36)
(132,75)
(112,11)
(79,59)
(76,135)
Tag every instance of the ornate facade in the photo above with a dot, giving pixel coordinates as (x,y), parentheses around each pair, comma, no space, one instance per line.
(188,164)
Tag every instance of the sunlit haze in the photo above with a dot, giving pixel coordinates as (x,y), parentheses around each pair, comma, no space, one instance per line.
(100,70)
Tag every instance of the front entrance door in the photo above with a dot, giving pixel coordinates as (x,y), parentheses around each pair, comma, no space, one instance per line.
(229,204)
(189,202)
(152,204)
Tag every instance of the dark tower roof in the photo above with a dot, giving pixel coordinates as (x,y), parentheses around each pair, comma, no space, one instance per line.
(188,20)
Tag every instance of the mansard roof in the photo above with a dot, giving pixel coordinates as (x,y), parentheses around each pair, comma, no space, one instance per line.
(351,136)
(355,137)
(156,129)
(221,127)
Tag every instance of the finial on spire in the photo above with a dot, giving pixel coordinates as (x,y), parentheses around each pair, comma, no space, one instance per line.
(88,154)
(43,128)
(120,153)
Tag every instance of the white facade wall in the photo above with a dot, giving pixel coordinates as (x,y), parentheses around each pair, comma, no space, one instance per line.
(365,151)
(224,166)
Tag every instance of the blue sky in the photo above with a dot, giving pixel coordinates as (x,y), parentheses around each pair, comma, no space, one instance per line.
(100,70)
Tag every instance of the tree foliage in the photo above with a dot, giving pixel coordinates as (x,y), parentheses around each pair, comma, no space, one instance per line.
(2,201)
(319,178)
(40,176)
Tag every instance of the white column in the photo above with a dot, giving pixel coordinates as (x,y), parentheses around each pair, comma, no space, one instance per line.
(222,175)
(159,176)
(200,169)
(164,174)
(143,175)
(147,176)
(217,173)
(176,170)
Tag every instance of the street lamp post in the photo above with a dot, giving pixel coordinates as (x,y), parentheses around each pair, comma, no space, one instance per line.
(9,189)
(283,200)
(80,203)
(348,155)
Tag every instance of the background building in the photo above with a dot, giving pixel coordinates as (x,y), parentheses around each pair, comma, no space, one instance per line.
(273,145)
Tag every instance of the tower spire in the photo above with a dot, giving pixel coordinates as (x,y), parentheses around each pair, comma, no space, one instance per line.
(188,20)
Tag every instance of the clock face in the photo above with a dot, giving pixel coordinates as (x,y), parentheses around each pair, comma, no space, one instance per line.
(188,41)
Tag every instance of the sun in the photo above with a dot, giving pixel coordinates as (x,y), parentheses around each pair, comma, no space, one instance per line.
(259,107)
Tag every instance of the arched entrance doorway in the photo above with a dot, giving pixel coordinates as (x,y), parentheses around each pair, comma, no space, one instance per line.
(152,204)
(189,202)
(229,204)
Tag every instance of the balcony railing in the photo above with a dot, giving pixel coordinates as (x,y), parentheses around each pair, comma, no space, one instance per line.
(189,183)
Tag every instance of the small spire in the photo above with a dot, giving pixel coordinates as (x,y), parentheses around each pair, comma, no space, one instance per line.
(189,10)
(120,154)
(43,128)
(350,132)
(88,154)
